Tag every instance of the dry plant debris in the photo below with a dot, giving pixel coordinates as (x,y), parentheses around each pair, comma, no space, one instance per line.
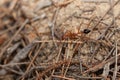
(59,39)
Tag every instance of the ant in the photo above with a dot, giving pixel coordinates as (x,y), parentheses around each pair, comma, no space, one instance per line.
(70,35)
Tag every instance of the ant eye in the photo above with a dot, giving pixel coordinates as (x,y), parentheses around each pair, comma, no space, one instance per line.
(86,31)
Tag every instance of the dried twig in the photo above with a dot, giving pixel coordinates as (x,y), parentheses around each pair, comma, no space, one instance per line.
(56,65)
(4,49)
(62,77)
(64,3)
(106,70)
(29,66)
(116,62)
(23,53)
(81,77)
(105,14)
(99,66)
(59,41)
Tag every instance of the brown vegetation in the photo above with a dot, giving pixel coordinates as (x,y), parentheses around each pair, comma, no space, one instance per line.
(59,40)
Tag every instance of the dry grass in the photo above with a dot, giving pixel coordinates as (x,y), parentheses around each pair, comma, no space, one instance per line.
(59,39)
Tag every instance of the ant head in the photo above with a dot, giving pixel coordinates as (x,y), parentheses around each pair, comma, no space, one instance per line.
(86,31)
